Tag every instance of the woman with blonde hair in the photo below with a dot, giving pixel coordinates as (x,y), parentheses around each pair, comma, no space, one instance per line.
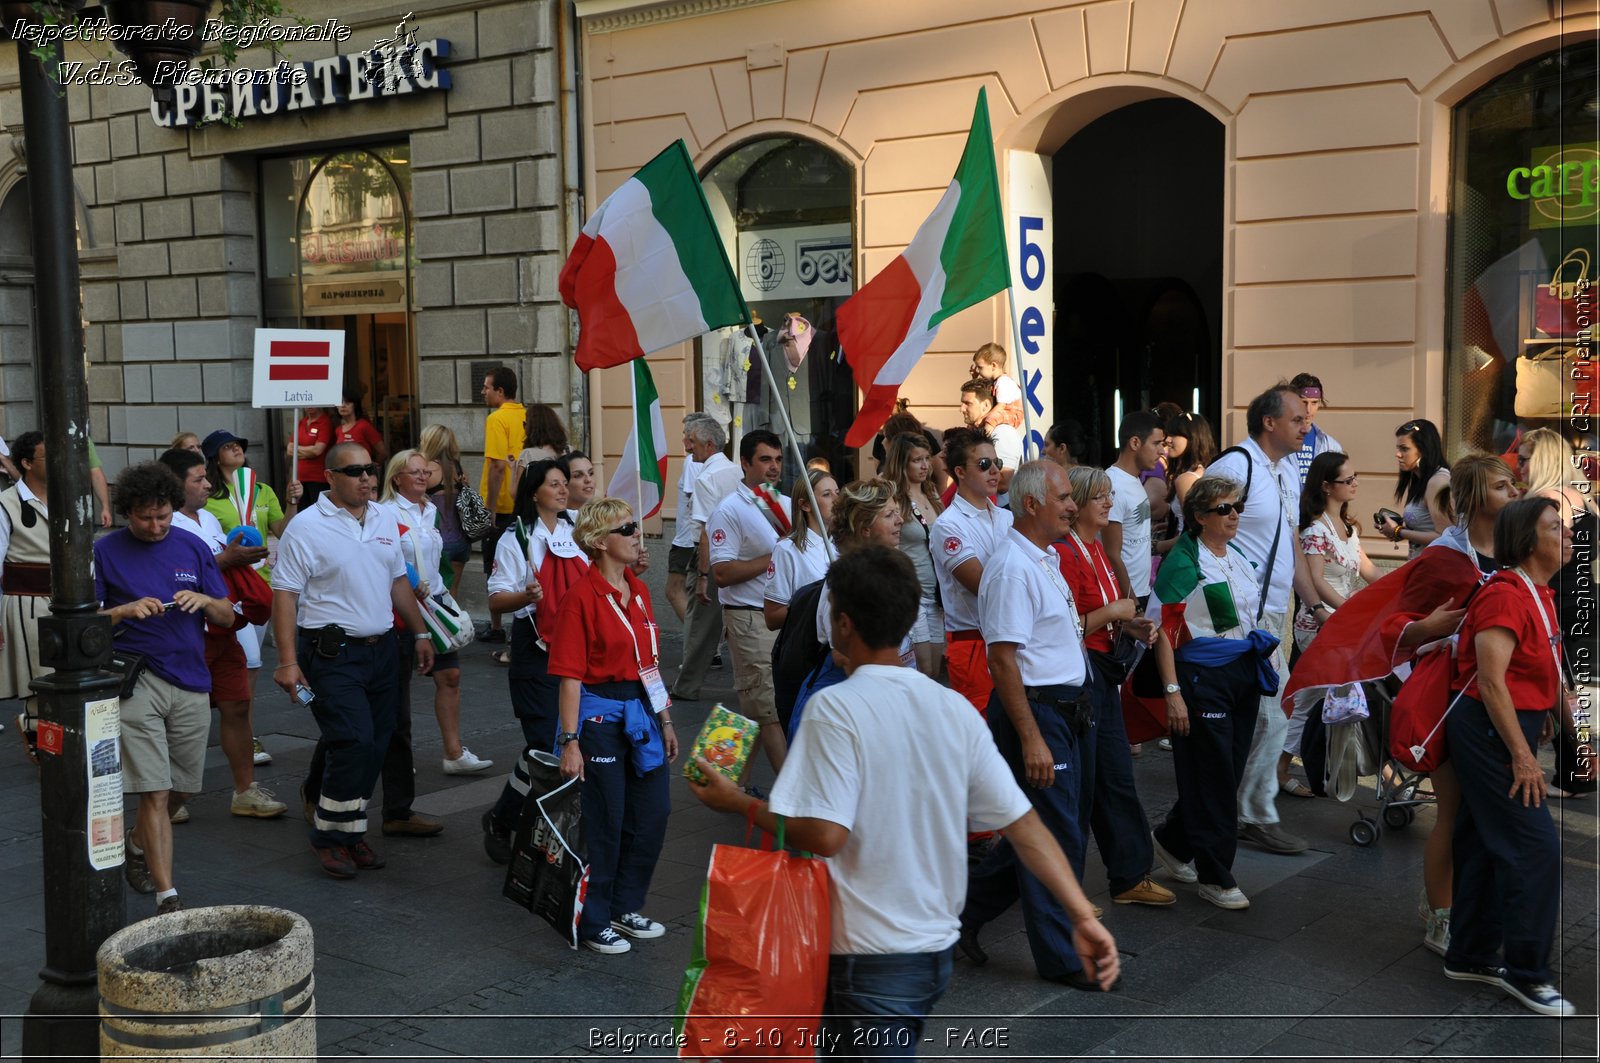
(864,514)
(445,478)
(801,557)
(616,733)
(1546,463)
(908,465)
(405,490)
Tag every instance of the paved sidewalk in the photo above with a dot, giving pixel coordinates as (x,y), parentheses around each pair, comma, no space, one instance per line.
(426,959)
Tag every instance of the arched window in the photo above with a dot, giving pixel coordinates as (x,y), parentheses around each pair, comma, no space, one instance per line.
(784,209)
(1524,217)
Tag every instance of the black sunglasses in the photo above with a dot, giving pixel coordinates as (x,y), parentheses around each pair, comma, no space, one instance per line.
(1222,509)
(355,471)
(985,464)
(627,531)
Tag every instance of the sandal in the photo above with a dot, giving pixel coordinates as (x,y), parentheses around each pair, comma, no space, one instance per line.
(1295,788)
(502,657)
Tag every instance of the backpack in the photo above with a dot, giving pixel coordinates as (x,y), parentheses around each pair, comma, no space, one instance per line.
(797,652)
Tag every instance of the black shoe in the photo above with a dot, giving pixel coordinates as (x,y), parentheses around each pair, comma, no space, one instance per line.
(716,660)
(494,634)
(1082,980)
(1473,972)
(496,841)
(967,945)
(1540,997)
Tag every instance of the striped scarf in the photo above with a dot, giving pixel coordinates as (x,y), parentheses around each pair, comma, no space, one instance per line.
(242,493)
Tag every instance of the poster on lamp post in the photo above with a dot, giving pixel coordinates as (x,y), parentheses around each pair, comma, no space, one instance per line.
(102,743)
(298,367)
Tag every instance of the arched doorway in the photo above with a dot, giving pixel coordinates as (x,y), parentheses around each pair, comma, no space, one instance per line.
(340,256)
(20,403)
(783,206)
(1138,240)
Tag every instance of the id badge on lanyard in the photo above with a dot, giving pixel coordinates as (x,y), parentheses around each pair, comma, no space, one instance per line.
(649,674)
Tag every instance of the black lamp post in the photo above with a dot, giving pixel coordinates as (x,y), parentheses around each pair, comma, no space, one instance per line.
(82,906)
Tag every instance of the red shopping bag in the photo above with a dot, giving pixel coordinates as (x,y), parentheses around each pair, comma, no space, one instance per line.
(758,966)
(1416,720)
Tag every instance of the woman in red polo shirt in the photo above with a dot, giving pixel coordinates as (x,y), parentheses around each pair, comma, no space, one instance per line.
(616,734)
(1507,849)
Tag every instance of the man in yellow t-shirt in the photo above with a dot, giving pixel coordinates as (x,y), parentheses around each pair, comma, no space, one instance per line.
(503,432)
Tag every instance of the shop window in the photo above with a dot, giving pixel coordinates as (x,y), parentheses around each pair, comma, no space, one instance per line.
(1523,277)
(783,207)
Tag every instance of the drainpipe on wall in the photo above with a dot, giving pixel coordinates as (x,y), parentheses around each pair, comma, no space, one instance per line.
(567,48)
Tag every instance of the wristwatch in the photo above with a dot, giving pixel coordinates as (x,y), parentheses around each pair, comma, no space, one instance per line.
(566,736)
(1172,688)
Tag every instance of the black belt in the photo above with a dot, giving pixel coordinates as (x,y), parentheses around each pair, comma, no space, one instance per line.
(1049,695)
(744,608)
(1070,702)
(353,640)
(618,690)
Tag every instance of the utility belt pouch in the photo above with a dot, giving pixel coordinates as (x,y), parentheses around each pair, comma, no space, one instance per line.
(130,666)
(329,641)
(1079,714)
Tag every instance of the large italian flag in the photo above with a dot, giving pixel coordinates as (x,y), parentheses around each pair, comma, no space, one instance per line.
(641,473)
(649,269)
(957,258)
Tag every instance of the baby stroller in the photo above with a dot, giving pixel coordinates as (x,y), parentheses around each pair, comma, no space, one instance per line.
(1356,719)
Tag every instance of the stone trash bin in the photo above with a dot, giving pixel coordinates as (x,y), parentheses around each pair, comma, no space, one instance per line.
(233,981)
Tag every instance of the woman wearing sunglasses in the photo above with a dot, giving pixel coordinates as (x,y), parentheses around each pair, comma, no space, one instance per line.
(1213,664)
(616,733)
(405,490)
(1331,540)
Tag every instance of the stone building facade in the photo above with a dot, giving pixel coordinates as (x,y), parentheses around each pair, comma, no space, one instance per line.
(427,223)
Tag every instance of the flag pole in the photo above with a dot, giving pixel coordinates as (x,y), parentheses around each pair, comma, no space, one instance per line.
(1022,373)
(638,444)
(794,441)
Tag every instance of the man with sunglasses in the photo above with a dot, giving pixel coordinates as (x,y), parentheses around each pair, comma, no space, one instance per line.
(962,539)
(1264,467)
(339,580)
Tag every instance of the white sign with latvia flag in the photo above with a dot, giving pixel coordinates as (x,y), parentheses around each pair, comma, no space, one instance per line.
(298,367)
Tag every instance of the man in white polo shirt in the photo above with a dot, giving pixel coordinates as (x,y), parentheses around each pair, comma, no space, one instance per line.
(1264,468)
(718,478)
(962,540)
(742,534)
(339,580)
(1039,716)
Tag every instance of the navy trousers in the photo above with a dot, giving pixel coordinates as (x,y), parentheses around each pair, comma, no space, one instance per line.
(1507,857)
(1121,831)
(1002,879)
(624,825)
(535,695)
(398,772)
(357,702)
(1209,761)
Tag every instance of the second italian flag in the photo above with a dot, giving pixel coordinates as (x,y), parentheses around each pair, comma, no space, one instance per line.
(957,258)
(641,473)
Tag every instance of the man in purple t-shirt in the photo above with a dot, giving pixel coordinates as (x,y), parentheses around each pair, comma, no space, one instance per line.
(160,591)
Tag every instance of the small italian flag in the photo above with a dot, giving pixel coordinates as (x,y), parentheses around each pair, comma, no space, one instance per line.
(957,258)
(642,471)
(649,269)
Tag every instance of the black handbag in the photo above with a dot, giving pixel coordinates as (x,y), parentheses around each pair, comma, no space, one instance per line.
(130,666)
(476,520)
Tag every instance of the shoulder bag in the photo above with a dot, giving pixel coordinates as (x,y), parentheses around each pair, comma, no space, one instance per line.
(476,520)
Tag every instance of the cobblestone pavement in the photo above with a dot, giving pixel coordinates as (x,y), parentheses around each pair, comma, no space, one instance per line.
(425,959)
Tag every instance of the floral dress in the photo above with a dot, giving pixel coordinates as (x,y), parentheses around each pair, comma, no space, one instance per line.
(1341,570)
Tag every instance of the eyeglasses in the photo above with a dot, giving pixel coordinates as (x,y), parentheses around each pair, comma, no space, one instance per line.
(1348,481)
(1223,509)
(627,531)
(356,471)
(985,464)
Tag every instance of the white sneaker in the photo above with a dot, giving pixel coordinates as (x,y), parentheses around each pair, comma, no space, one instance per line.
(637,926)
(1165,745)
(182,815)
(1180,871)
(257,802)
(1232,898)
(466,764)
(609,942)
(258,754)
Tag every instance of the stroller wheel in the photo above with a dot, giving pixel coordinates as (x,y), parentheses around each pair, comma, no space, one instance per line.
(1397,816)
(1364,831)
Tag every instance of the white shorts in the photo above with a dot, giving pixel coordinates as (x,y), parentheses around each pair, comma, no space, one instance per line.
(250,642)
(929,626)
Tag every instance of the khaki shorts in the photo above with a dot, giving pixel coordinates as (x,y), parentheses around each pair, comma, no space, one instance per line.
(164,731)
(750,643)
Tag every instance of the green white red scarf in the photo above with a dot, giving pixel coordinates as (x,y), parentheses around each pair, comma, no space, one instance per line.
(242,493)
